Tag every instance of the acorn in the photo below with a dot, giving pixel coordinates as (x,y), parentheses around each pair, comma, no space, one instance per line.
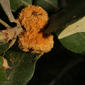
(32,39)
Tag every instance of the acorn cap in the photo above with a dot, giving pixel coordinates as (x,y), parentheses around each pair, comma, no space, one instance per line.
(33,18)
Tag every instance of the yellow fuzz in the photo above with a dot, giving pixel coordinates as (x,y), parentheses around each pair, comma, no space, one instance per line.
(32,39)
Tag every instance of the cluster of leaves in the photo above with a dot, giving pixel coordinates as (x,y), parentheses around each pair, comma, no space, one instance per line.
(68,26)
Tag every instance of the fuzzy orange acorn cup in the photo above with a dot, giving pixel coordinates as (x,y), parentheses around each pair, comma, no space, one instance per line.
(32,39)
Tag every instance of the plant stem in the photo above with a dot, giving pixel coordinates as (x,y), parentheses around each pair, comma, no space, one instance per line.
(4,23)
(10,33)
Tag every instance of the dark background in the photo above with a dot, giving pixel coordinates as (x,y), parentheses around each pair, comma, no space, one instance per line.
(59,67)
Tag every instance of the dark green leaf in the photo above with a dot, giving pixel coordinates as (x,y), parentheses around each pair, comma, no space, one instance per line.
(23,67)
(17,4)
(75,42)
(48,5)
(73,36)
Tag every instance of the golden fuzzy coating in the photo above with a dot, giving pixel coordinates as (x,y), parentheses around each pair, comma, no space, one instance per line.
(33,17)
(35,42)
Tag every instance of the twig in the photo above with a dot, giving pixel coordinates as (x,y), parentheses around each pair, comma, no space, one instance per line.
(38,57)
(4,23)
(10,33)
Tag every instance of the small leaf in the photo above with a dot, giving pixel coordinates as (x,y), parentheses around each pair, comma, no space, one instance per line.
(73,36)
(48,5)
(17,4)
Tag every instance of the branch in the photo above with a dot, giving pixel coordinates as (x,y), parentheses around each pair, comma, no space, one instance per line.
(10,33)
